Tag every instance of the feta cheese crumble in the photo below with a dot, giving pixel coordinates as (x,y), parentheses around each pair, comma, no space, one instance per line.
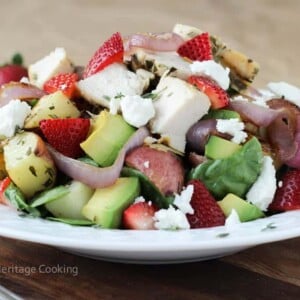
(170,219)
(139,199)
(136,110)
(12,116)
(213,70)
(262,191)
(283,89)
(232,220)
(233,127)
(147,164)
(183,200)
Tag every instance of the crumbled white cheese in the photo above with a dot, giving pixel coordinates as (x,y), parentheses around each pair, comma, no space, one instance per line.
(183,200)
(239,98)
(24,80)
(12,116)
(170,219)
(114,105)
(290,92)
(234,127)
(136,110)
(280,184)
(262,191)
(232,220)
(214,70)
(139,199)
(54,63)
(147,164)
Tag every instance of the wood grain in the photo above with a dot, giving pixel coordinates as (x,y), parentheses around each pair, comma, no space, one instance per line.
(103,280)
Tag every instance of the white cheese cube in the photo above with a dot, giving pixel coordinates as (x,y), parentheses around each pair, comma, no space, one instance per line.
(55,63)
(177,107)
(114,81)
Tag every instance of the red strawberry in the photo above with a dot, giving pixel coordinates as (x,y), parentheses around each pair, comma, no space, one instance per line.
(110,52)
(207,213)
(10,73)
(3,186)
(65,135)
(62,82)
(139,216)
(287,196)
(217,96)
(197,48)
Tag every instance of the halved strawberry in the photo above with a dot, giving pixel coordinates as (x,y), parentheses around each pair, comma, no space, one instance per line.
(217,96)
(110,52)
(287,196)
(207,212)
(3,186)
(65,82)
(139,216)
(197,48)
(10,73)
(65,135)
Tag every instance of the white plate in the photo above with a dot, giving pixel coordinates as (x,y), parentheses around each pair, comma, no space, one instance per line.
(150,246)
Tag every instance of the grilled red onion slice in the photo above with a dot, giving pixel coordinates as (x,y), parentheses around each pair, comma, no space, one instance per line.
(295,160)
(259,115)
(156,42)
(199,133)
(94,176)
(19,90)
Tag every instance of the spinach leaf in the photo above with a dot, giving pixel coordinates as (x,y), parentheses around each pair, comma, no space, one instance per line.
(149,191)
(234,174)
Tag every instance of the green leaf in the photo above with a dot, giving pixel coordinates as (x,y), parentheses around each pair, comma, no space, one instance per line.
(17,199)
(17,59)
(72,221)
(234,174)
(49,195)
(149,191)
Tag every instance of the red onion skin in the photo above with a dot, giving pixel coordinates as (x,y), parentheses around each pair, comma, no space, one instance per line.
(197,136)
(97,177)
(156,42)
(258,115)
(295,160)
(18,90)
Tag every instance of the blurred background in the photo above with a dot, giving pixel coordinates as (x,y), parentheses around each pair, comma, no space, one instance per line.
(266,30)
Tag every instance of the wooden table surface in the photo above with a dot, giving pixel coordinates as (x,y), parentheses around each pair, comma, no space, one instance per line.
(265,29)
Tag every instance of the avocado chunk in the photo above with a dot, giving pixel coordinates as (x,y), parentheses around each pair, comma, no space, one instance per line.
(222,114)
(109,135)
(107,204)
(245,210)
(218,148)
(70,205)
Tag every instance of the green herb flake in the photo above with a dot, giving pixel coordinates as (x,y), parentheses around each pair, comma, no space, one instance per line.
(107,98)
(29,151)
(119,96)
(269,226)
(51,107)
(223,235)
(17,59)
(33,171)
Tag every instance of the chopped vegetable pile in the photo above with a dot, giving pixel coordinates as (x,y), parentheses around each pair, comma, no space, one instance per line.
(157,131)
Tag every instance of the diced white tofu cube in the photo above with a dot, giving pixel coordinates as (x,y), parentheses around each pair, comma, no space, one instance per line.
(178,106)
(54,63)
(114,81)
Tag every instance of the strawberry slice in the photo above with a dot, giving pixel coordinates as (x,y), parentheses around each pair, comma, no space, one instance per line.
(110,52)
(62,82)
(65,135)
(287,196)
(217,96)
(197,48)
(139,216)
(3,186)
(207,212)
(10,73)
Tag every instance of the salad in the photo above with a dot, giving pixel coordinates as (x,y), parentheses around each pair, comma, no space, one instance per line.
(158,131)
